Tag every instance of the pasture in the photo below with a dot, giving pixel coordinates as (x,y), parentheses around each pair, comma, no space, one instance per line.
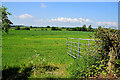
(46,48)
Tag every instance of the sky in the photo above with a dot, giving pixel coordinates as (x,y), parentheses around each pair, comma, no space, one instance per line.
(60,0)
(63,14)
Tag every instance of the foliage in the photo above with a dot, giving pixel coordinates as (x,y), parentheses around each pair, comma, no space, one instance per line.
(69,29)
(42,29)
(31,27)
(55,28)
(89,28)
(110,43)
(48,26)
(78,28)
(88,70)
(2,28)
(5,21)
(17,28)
(103,64)
(25,28)
(84,28)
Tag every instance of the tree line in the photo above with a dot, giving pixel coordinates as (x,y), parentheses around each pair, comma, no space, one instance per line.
(84,28)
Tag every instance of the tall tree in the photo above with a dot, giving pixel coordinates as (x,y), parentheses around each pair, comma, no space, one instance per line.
(48,26)
(5,21)
(84,28)
(89,28)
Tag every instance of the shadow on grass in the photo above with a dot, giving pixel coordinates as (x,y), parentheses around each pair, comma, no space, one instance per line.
(13,73)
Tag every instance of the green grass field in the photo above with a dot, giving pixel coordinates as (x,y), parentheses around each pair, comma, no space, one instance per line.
(47,48)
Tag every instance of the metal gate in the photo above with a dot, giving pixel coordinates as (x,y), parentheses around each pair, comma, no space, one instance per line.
(78,46)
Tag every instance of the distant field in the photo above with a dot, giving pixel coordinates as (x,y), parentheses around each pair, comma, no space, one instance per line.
(19,46)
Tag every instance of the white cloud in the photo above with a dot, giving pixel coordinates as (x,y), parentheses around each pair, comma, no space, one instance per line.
(61,21)
(107,23)
(71,20)
(43,5)
(25,16)
(88,20)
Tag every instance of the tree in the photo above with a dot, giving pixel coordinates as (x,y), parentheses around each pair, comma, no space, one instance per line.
(17,28)
(5,21)
(48,26)
(67,28)
(84,28)
(78,28)
(42,29)
(25,28)
(30,26)
(53,28)
(89,28)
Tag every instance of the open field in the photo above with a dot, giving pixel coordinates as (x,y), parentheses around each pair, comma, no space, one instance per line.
(47,48)
(59,40)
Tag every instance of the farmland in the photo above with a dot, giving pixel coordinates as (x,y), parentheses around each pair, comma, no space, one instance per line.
(38,36)
(47,48)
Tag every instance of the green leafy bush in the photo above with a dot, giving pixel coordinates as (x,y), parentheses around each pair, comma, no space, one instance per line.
(108,61)
(55,28)
(25,28)
(17,28)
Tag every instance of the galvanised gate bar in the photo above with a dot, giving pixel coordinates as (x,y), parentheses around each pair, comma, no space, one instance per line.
(77,46)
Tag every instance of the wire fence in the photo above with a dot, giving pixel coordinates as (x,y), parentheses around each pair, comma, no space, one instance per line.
(76,47)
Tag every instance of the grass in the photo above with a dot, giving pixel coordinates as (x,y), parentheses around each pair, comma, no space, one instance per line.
(20,46)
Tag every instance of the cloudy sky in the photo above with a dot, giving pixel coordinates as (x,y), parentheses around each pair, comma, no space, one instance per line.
(69,14)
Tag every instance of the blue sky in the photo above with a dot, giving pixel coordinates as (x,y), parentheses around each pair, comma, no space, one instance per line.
(59,0)
(70,14)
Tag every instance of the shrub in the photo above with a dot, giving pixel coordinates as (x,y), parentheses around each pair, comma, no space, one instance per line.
(78,28)
(42,29)
(25,28)
(90,28)
(110,47)
(110,43)
(71,29)
(107,63)
(2,28)
(48,26)
(30,26)
(84,28)
(17,28)
(55,28)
